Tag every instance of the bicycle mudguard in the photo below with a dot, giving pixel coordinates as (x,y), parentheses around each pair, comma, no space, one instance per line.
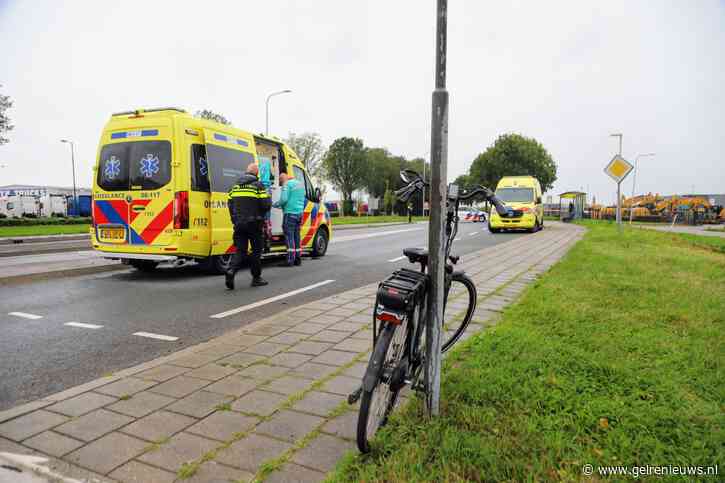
(377,360)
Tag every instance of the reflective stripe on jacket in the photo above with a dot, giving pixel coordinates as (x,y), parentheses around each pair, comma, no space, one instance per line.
(248,200)
(292,198)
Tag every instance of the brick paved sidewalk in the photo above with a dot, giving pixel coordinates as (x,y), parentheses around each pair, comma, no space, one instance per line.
(266,401)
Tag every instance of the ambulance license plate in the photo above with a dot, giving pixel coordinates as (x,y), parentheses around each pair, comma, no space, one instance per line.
(112,235)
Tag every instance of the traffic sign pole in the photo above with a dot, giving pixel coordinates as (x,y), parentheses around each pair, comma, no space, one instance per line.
(618,169)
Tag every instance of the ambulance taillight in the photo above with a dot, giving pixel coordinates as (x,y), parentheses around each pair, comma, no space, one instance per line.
(181,210)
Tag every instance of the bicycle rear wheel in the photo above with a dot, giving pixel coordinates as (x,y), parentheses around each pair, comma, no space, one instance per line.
(376,404)
(462,289)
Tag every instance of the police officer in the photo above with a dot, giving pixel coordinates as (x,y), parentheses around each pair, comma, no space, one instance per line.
(248,205)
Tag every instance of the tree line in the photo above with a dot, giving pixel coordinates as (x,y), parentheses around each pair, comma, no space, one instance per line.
(350,166)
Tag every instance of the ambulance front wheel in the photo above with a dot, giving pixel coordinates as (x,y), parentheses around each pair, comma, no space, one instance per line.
(320,243)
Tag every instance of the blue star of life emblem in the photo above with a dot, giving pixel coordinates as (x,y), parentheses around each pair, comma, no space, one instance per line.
(112,167)
(149,165)
(203,167)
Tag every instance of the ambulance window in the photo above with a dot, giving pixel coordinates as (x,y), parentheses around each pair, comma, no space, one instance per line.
(302,178)
(150,164)
(226,166)
(113,167)
(142,164)
(199,168)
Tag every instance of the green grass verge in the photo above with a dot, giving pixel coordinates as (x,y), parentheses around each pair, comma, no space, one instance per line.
(713,243)
(720,229)
(614,357)
(6,231)
(356,220)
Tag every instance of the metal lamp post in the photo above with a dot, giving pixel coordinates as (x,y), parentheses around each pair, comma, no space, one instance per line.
(266,123)
(634,180)
(73,165)
(436,231)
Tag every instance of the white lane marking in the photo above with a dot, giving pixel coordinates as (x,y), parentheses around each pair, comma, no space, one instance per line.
(26,315)
(83,326)
(370,235)
(397,259)
(156,336)
(259,303)
(457,239)
(474,233)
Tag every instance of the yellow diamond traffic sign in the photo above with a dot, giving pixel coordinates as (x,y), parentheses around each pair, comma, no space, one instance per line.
(618,168)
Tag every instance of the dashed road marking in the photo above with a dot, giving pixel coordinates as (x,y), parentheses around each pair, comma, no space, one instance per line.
(26,315)
(340,239)
(156,336)
(269,300)
(474,233)
(83,326)
(397,259)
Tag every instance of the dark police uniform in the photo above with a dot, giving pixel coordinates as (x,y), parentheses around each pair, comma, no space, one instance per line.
(248,204)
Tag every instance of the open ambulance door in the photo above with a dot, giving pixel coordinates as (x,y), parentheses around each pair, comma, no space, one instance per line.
(228,157)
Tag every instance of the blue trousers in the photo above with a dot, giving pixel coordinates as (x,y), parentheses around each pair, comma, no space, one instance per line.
(291,227)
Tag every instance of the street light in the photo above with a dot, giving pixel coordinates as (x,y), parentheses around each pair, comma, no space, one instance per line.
(636,160)
(266,123)
(634,181)
(73,165)
(619,135)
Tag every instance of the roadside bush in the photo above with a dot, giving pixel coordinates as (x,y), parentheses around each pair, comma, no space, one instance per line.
(44,221)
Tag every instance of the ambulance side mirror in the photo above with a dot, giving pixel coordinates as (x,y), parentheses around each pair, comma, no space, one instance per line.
(318,195)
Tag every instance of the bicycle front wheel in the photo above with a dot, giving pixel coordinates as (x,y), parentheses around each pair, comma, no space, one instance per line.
(377,404)
(461,297)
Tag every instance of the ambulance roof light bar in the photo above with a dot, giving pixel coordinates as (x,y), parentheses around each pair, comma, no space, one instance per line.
(155,109)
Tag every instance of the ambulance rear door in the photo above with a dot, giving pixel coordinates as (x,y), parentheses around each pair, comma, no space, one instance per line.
(228,157)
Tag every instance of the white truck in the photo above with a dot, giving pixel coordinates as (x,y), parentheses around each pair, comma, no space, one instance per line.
(17,206)
(53,205)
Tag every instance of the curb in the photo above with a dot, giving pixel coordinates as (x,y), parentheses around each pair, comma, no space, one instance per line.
(34,277)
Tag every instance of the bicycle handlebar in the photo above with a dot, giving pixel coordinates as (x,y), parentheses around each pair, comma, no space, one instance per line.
(406,192)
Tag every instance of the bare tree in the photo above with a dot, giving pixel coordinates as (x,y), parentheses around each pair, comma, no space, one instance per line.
(212,116)
(308,146)
(5,126)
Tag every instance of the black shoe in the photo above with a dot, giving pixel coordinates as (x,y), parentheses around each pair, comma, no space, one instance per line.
(259,282)
(298,262)
(229,280)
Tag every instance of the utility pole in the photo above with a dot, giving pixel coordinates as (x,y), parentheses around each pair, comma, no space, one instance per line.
(436,231)
(73,166)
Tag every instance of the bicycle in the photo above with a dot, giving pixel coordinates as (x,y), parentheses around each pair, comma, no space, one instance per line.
(398,355)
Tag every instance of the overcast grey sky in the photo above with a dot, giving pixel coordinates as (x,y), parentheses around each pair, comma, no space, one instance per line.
(567,73)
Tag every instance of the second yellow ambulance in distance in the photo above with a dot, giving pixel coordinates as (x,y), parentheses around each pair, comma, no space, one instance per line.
(523,195)
(160,190)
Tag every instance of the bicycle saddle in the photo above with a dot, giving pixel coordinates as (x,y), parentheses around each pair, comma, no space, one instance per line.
(416,255)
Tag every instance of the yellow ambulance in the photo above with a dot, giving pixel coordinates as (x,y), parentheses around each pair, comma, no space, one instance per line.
(523,195)
(160,187)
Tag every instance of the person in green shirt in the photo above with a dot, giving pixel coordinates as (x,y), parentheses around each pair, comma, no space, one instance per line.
(292,200)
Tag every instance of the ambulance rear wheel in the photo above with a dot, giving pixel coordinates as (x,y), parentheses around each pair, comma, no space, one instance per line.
(221,263)
(144,265)
(319,244)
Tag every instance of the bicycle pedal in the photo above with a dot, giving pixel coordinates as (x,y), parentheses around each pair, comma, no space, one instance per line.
(355,396)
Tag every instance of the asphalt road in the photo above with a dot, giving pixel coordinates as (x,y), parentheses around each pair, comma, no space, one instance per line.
(41,356)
